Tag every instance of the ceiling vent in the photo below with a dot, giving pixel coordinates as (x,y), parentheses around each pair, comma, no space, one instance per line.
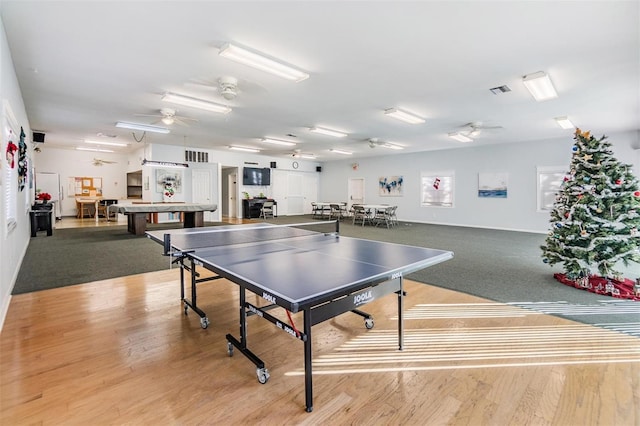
(500,89)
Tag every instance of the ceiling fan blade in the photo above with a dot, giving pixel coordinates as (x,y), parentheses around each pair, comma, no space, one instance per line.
(147,115)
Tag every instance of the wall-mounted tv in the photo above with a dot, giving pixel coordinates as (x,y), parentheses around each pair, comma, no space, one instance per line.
(255,176)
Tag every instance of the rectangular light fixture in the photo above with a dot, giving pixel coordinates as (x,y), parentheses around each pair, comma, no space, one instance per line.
(339,151)
(84,148)
(540,86)
(305,156)
(142,127)
(564,122)
(460,137)
(261,62)
(277,142)
(165,164)
(403,116)
(328,132)
(188,101)
(243,148)
(105,143)
(390,145)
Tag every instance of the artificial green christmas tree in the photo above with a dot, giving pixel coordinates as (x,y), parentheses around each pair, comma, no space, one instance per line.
(595,220)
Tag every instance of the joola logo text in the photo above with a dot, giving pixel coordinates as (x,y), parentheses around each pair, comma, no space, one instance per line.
(361,298)
(269,297)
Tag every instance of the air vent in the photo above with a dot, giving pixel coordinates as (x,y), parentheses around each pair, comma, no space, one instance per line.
(500,89)
(196,156)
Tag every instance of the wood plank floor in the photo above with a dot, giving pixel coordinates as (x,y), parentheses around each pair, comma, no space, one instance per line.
(121,351)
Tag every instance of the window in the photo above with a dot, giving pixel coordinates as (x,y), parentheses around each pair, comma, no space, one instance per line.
(549,181)
(437,188)
(10,174)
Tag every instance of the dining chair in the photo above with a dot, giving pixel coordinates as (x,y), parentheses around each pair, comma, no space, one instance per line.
(83,210)
(267,210)
(335,211)
(361,214)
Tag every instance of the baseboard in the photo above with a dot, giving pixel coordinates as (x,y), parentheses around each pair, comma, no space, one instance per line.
(532,231)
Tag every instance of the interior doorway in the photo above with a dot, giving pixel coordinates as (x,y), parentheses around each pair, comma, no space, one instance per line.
(229,192)
(356,191)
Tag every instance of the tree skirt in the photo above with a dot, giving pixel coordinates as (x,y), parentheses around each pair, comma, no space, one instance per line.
(625,289)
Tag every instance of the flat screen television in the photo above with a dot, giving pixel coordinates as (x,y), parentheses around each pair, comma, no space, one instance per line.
(255,176)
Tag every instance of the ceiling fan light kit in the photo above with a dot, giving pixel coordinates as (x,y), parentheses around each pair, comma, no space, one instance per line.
(564,122)
(142,127)
(540,86)
(404,116)
(328,132)
(255,60)
(460,137)
(195,103)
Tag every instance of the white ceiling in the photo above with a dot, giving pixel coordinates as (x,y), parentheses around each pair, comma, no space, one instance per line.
(83,66)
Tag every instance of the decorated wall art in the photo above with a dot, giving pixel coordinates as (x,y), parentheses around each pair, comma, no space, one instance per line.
(492,185)
(390,186)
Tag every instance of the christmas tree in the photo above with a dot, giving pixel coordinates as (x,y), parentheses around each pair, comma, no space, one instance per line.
(595,220)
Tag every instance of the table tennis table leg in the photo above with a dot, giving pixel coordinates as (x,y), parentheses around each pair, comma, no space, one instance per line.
(308,373)
(400,322)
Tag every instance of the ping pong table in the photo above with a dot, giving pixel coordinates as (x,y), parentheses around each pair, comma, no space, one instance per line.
(308,268)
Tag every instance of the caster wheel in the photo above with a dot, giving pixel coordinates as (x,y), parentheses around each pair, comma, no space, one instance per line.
(229,349)
(186,309)
(368,323)
(263,375)
(204,322)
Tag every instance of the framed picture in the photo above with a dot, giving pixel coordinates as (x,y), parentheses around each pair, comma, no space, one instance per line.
(492,185)
(437,188)
(390,186)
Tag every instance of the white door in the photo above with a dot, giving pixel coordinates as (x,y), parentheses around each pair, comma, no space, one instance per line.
(295,194)
(201,189)
(232,185)
(356,191)
(309,191)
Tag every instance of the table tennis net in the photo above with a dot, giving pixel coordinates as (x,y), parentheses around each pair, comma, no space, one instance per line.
(212,237)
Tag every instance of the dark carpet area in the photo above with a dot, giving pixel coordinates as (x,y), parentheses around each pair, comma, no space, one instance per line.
(502,266)
(80,255)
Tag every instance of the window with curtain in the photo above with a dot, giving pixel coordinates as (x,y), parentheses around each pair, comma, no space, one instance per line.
(437,188)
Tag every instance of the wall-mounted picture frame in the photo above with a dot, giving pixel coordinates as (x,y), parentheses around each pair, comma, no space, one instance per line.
(492,185)
(390,186)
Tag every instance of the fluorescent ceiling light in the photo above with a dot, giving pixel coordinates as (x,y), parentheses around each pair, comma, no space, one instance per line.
(142,127)
(403,116)
(460,137)
(277,142)
(540,86)
(339,151)
(244,149)
(307,156)
(84,148)
(564,122)
(165,164)
(195,103)
(391,146)
(328,132)
(105,143)
(262,63)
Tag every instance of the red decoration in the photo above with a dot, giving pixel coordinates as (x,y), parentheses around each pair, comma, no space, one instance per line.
(45,196)
(11,148)
(637,193)
(622,289)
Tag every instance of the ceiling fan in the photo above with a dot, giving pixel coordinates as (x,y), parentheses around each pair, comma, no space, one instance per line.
(474,128)
(227,86)
(168,117)
(101,162)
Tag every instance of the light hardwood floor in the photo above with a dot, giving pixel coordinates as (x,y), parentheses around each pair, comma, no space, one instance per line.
(121,351)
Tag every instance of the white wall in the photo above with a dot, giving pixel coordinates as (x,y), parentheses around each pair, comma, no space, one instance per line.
(13,244)
(517,212)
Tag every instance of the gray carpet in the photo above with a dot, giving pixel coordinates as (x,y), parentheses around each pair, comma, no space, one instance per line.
(502,266)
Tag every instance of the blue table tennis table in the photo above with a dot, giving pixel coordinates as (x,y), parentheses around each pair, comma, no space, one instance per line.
(307,267)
